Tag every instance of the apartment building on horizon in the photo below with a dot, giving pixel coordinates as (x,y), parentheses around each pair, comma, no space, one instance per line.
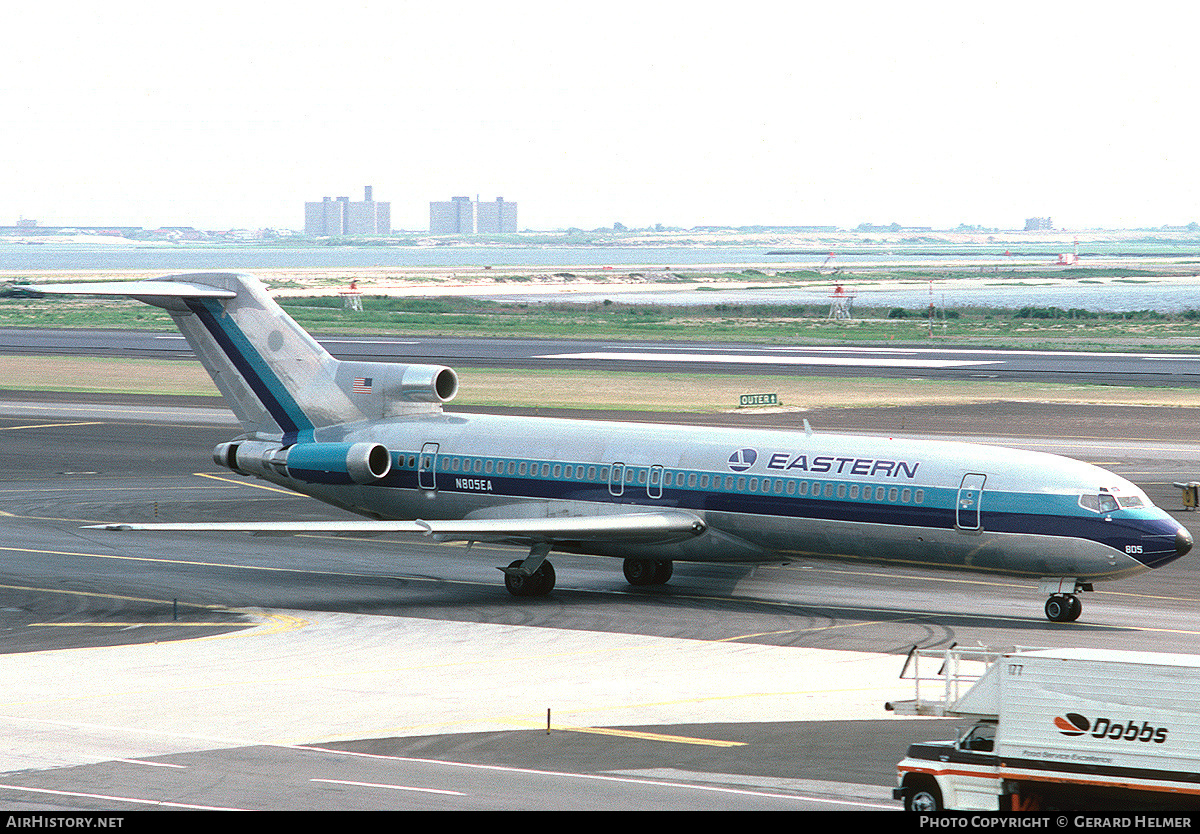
(462,216)
(335,218)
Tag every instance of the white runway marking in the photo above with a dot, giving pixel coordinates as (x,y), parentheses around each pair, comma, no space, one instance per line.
(752,359)
(387,787)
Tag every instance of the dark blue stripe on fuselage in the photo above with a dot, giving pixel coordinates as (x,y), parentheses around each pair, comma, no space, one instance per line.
(262,381)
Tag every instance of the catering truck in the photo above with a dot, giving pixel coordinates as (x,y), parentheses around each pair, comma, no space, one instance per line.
(1056,730)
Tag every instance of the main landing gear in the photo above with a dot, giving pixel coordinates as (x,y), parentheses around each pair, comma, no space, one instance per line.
(648,571)
(1063,606)
(532,576)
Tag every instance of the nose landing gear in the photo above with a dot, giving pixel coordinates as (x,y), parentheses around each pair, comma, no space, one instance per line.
(1063,606)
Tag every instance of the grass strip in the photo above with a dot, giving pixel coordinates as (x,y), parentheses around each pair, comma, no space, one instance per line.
(607,390)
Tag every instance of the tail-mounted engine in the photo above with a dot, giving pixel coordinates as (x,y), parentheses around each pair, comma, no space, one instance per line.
(316,463)
(386,389)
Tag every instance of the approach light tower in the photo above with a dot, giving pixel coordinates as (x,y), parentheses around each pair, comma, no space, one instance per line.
(843,303)
(352,297)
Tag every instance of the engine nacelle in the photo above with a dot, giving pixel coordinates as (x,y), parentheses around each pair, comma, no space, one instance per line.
(428,383)
(318,463)
(251,457)
(338,463)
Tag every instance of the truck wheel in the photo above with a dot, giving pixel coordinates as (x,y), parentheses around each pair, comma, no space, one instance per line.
(924,798)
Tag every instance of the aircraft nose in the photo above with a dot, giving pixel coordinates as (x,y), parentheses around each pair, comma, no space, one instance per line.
(1183,542)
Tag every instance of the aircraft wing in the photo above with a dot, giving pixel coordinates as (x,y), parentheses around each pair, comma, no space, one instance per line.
(651,527)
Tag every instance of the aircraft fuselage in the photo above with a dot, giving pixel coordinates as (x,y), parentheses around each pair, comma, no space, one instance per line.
(767,495)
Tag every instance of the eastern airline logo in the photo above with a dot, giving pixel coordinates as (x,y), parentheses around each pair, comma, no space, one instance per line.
(1074,724)
(742,459)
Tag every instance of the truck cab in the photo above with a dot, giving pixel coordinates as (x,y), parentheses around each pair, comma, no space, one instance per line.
(959,775)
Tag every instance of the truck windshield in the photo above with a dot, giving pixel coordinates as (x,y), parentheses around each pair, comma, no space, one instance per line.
(982,738)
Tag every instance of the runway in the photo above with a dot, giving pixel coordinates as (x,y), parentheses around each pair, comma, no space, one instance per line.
(1178,369)
(202,671)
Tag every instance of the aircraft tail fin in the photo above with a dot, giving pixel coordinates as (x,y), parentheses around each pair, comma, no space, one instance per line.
(277,379)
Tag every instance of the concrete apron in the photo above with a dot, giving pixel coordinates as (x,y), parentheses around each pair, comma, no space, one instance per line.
(304,677)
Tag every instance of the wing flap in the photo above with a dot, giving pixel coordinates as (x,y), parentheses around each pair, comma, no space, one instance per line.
(627,527)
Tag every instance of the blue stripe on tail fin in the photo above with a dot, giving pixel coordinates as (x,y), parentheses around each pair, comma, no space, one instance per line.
(278,380)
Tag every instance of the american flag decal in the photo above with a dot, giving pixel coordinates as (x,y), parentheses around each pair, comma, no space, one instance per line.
(362,384)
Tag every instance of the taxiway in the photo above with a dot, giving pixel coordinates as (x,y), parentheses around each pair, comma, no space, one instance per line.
(170,670)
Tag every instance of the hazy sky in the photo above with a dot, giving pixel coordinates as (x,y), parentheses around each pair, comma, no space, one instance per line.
(232,114)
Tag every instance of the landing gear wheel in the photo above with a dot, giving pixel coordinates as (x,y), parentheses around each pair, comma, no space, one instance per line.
(1063,608)
(640,571)
(648,571)
(663,571)
(545,579)
(537,585)
(1076,608)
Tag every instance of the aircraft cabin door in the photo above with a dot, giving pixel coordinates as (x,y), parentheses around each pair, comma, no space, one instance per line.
(616,480)
(426,476)
(970,497)
(654,486)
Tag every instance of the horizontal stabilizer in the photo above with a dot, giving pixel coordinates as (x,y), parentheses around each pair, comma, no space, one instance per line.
(142,289)
(628,527)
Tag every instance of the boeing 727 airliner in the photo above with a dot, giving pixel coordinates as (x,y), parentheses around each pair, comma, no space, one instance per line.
(374,439)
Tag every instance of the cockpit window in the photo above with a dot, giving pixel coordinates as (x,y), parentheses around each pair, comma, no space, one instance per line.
(1106,503)
(1128,501)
